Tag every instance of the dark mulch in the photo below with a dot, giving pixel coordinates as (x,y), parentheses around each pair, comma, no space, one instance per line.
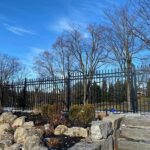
(64,143)
(38,119)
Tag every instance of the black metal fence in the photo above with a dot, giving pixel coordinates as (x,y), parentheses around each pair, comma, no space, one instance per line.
(107,91)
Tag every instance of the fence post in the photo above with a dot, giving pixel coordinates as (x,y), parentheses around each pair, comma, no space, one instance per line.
(1,94)
(68,92)
(24,94)
(134,90)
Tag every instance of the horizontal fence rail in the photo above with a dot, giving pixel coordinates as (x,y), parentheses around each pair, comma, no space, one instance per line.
(113,90)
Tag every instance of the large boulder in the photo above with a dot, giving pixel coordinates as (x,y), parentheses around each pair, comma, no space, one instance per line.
(39,131)
(15,146)
(38,147)
(136,133)
(7,117)
(100,129)
(125,144)
(60,129)
(19,122)
(115,119)
(20,135)
(76,132)
(108,144)
(31,141)
(6,136)
(6,142)
(4,127)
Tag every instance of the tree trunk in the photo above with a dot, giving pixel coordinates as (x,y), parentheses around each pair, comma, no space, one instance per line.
(85,91)
(128,71)
(128,94)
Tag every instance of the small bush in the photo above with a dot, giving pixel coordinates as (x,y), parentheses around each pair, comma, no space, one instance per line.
(51,111)
(44,110)
(74,112)
(87,114)
(82,114)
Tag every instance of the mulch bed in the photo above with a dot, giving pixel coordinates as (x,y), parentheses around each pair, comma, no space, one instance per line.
(60,142)
(64,143)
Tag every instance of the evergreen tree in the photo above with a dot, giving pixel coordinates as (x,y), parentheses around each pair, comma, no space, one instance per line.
(95,93)
(111,92)
(148,89)
(104,90)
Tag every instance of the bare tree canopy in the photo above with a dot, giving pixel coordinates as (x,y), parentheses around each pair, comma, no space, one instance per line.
(142,30)
(64,58)
(9,67)
(89,52)
(73,51)
(44,64)
(124,45)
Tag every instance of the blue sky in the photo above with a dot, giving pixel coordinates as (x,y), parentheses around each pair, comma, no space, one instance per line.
(28,27)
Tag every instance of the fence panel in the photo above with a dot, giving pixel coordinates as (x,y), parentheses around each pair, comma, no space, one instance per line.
(106,90)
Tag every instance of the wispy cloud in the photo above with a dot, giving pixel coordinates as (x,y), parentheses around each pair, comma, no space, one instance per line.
(18,30)
(35,50)
(60,25)
(32,52)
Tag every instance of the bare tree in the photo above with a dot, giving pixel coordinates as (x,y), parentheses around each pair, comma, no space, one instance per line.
(125,47)
(142,30)
(9,68)
(44,64)
(89,52)
(23,73)
(63,56)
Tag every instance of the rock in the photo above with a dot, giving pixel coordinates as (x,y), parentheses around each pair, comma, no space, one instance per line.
(31,141)
(36,131)
(108,144)
(115,120)
(100,115)
(6,142)
(141,121)
(4,127)
(100,129)
(86,146)
(39,148)
(28,124)
(20,135)
(60,129)
(7,117)
(15,146)
(6,136)
(47,126)
(36,111)
(124,144)
(76,132)
(2,146)
(134,133)
(19,122)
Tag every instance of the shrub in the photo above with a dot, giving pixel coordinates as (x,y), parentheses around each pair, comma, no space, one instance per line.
(82,114)
(87,114)
(74,112)
(51,111)
(44,110)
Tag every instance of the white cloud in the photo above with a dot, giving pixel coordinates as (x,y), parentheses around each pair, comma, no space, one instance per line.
(35,50)
(18,30)
(61,25)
